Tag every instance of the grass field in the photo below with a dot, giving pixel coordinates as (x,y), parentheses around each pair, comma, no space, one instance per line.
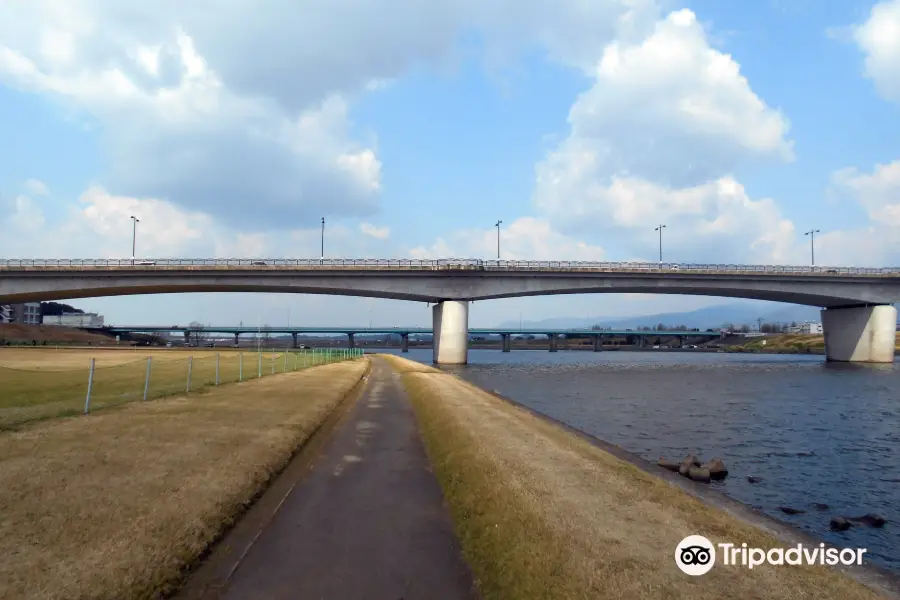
(790,343)
(115,506)
(543,514)
(38,383)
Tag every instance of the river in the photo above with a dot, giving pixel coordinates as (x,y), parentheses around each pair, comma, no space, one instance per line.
(813,432)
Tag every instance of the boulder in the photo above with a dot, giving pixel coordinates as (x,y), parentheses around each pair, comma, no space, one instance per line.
(699,474)
(791,511)
(688,462)
(716,468)
(839,524)
(668,464)
(870,519)
(752,479)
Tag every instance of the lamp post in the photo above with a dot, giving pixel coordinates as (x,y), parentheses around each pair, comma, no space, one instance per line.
(498,238)
(659,229)
(134,223)
(323,238)
(812,244)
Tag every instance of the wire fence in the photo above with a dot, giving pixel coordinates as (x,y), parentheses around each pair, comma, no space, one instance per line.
(28,394)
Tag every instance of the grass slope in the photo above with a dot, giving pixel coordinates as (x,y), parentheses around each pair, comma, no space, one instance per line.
(543,514)
(116,505)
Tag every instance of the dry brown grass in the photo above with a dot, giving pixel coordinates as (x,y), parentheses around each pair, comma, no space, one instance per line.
(115,505)
(544,514)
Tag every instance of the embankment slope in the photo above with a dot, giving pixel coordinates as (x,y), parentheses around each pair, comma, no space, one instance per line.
(542,513)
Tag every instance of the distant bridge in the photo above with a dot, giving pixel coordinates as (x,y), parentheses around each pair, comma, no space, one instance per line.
(405,332)
(859,320)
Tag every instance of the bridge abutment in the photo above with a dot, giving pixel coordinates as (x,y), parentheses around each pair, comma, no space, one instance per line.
(450,324)
(860,334)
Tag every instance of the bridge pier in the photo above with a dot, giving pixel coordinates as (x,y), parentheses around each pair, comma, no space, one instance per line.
(506,342)
(404,342)
(450,324)
(552,337)
(860,334)
(350,342)
(237,338)
(187,338)
(294,339)
(598,343)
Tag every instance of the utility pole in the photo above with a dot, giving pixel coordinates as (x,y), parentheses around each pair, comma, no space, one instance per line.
(498,238)
(134,223)
(659,229)
(812,244)
(323,238)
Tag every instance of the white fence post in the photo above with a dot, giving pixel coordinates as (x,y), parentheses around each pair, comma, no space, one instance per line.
(284,370)
(259,366)
(240,366)
(217,369)
(190,368)
(147,378)
(87,400)
(273,361)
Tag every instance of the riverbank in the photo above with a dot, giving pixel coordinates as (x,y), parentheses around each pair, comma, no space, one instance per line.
(789,344)
(542,513)
(119,504)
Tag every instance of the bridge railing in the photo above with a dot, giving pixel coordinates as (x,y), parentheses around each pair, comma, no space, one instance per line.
(437,264)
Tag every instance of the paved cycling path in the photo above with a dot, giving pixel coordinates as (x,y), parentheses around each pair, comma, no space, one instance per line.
(366,522)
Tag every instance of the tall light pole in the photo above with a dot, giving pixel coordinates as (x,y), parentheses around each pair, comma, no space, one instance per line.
(134,223)
(659,229)
(498,238)
(812,244)
(323,238)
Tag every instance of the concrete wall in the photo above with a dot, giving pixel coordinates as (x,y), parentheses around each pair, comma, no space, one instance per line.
(863,334)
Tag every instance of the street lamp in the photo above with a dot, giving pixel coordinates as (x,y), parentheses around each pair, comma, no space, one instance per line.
(812,244)
(659,229)
(134,223)
(323,238)
(498,238)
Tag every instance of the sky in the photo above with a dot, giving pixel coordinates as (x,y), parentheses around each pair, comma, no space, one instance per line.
(230,128)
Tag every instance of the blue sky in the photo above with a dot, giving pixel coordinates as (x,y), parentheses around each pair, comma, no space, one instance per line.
(413,130)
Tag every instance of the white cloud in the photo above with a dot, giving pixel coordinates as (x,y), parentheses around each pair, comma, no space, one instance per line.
(526,238)
(245,115)
(879,39)
(174,131)
(656,140)
(36,187)
(877,192)
(381,233)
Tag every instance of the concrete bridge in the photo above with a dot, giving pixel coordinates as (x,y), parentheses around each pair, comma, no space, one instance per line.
(858,317)
(506,335)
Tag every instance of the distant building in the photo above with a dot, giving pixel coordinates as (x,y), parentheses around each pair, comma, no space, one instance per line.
(806,329)
(82,320)
(28,313)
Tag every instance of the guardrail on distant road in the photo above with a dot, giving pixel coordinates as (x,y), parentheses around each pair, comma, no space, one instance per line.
(425,264)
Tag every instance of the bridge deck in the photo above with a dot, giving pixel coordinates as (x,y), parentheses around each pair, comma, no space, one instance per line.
(403,265)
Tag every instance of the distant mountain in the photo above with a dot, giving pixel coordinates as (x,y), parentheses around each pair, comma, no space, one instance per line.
(703,318)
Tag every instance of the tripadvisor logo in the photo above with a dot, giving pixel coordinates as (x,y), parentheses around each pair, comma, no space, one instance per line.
(696,555)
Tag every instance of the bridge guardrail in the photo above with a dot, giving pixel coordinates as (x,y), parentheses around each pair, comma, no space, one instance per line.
(439,264)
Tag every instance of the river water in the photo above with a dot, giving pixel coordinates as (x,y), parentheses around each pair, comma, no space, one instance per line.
(813,432)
